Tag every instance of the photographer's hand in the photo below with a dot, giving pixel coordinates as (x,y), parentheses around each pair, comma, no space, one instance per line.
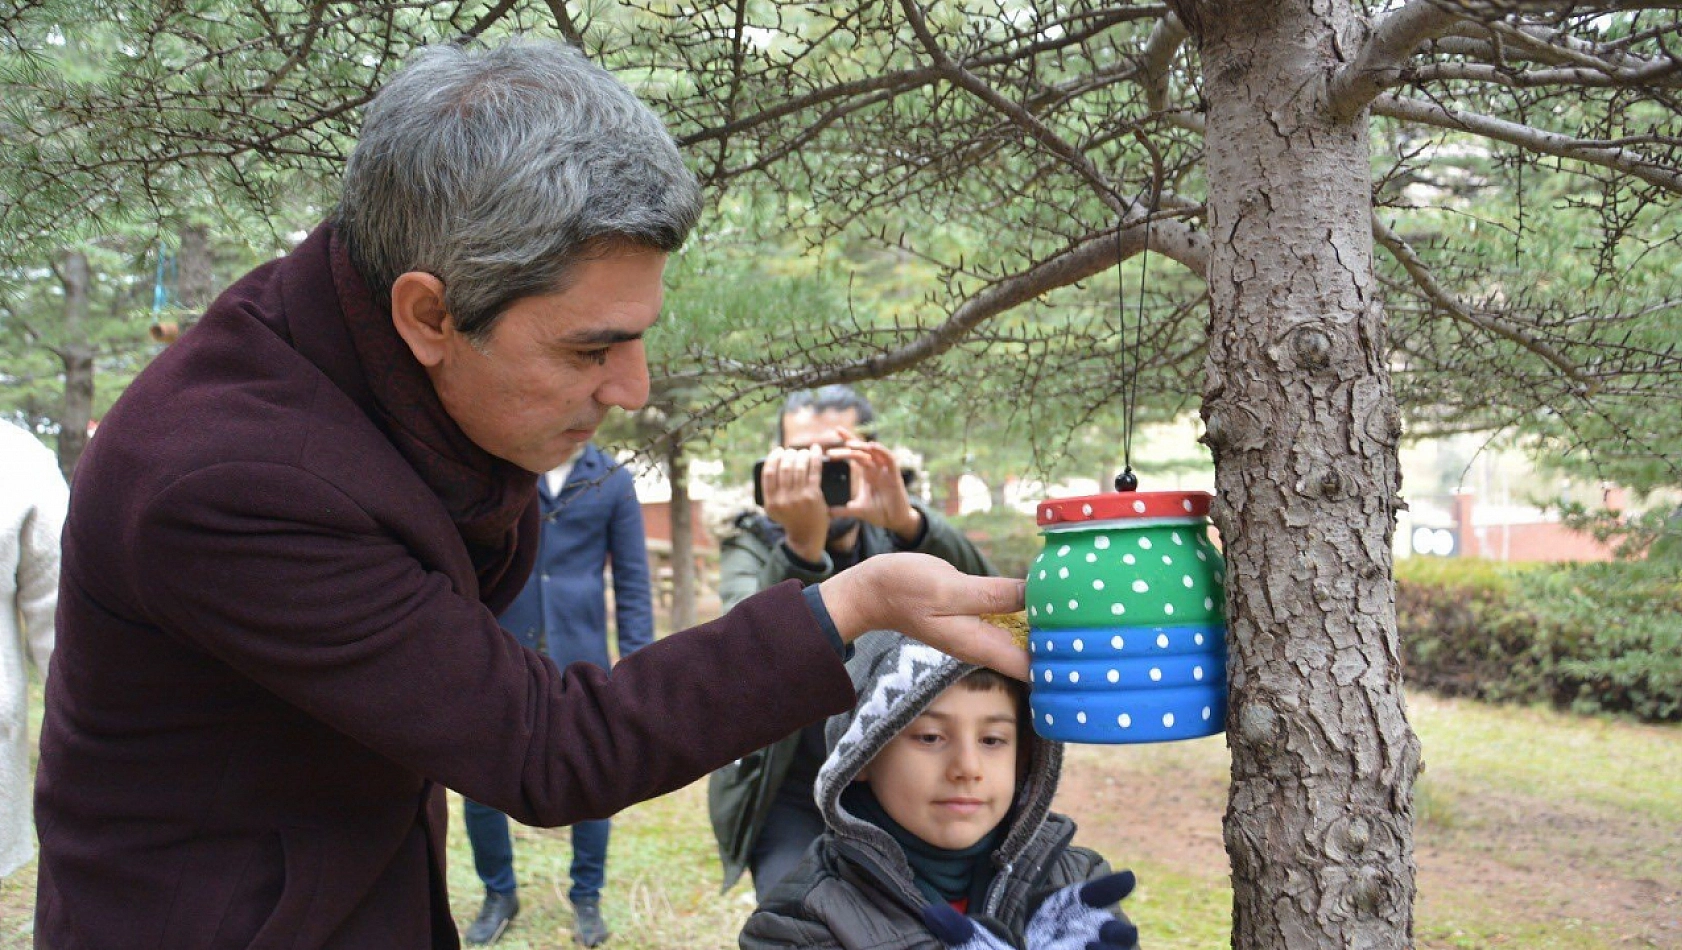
(792,481)
(879,495)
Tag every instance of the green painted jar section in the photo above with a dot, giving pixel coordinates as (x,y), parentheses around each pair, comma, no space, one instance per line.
(1126,573)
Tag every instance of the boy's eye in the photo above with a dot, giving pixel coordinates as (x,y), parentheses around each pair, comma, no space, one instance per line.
(596,357)
(926,738)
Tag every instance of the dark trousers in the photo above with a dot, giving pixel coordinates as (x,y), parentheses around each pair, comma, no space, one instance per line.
(493,852)
(791,826)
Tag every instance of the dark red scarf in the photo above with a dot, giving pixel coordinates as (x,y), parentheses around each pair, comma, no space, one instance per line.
(484,495)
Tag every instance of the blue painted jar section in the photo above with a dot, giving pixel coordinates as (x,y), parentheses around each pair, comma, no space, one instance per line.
(1129,684)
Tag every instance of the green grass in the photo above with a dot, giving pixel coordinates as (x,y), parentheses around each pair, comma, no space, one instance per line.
(1596,761)
(662,888)
(1511,797)
(1178,911)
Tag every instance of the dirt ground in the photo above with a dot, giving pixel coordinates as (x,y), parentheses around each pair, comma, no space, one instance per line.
(1539,860)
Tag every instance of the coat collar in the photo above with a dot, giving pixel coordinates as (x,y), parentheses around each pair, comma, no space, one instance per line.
(592,463)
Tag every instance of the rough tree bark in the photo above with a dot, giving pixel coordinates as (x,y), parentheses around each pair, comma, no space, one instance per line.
(76,354)
(683,539)
(195,284)
(1303,426)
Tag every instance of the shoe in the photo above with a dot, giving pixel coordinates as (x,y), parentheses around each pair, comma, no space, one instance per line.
(588,928)
(499,911)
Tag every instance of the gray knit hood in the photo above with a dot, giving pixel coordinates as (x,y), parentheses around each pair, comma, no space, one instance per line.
(895,680)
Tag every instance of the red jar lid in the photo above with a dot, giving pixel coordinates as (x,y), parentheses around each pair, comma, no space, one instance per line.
(1111,506)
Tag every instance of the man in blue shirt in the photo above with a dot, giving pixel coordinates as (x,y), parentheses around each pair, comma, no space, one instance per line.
(590,519)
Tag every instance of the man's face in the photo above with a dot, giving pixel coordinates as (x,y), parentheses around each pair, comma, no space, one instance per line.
(554,364)
(804,428)
(949,777)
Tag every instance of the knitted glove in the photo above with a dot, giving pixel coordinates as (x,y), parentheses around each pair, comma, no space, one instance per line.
(958,932)
(1076,917)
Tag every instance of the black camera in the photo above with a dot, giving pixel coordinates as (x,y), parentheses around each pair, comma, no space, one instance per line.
(837,482)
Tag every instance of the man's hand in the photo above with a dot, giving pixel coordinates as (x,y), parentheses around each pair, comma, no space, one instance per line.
(929,600)
(879,495)
(793,484)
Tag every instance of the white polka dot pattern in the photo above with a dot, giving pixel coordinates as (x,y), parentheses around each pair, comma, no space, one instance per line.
(1122,630)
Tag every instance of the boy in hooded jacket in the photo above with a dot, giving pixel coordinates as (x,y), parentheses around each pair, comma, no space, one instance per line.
(936,795)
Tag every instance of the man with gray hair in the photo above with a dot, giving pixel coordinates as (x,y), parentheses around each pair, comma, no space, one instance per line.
(287,547)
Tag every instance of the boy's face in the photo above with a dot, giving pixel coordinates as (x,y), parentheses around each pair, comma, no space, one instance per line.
(949,776)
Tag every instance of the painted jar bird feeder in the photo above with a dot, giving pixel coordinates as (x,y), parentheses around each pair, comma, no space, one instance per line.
(1126,619)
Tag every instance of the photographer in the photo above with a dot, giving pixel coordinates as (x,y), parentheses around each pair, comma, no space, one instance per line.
(762,809)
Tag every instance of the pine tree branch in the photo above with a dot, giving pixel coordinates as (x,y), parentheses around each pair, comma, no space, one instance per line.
(564,23)
(312,29)
(964,79)
(898,81)
(1606,155)
(1446,300)
(1154,63)
(1096,254)
(1658,74)
(901,81)
(1385,54)
(491,16)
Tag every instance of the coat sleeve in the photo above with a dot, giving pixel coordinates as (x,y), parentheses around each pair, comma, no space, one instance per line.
(38,558)
(747,565)
(785,928)
(288,581)
(627,548)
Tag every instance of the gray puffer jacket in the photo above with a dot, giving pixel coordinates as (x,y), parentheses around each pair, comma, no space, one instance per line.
(854,890)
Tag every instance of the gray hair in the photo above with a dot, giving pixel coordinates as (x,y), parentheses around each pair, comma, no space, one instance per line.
(497,170)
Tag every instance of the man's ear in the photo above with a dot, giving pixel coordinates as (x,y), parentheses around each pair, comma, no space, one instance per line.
(418,313)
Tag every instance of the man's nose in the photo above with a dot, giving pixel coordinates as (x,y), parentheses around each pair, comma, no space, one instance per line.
(626,385)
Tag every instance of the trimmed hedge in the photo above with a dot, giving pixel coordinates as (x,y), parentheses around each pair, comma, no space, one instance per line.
(1589,637)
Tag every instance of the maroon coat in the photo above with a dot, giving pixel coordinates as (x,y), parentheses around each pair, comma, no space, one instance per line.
(273,654)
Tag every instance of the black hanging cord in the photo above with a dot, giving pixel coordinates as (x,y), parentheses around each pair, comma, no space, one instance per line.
(1127,481)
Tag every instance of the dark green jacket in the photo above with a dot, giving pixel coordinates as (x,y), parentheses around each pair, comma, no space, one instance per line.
(739,796)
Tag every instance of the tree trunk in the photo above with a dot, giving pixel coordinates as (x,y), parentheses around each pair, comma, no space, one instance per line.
(1303,425)
(951,499)
(77,356)
(683,539)
(195,279)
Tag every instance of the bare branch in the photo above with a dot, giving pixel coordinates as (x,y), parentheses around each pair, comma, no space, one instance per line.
(1025,120)
(1504,8)
(1165,40)
(311,30)
(1661,75)
(491,16)
(1548,143)
(1096,254)
(1384,55)
(896,82)
(1445,299)
(564,23)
